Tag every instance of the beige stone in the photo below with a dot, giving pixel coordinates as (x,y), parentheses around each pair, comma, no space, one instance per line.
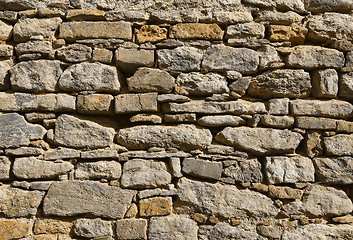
(6,31)
(151,33)
(10,229)
(184,117)
(128,60)
(84,14)
(277,121)
(131,229)
(158,206)
(295,33)
(245,30)
(344,126)
(325,83)
(196,31)
(145,117)
(102,55)
(231,17)
(6,51)
(284,192)
(95,104)
(131,103)
(313,144)
(52,226)
(281,18)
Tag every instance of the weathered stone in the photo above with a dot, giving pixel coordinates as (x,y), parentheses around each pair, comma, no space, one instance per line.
(74,132)
(15,131)
(132,212)
(183,59)
(37,76)
(175,167)
(128,60)
(146,117)
(61,153)
(201,168)
(289,169)
(241,85)
(145,174)
(5,67)
(27,28)
(244,30)
(326,201)
(316,123)
(277,121)
(16,202)
(222,58)
(223,231)
(344,219)
(151,80)
(225,201)
(319,231)
(70,198)
(131,229)
(92,228)
(309,57)
(44,48)
(172,98)
(128,15)
(37,117)
(158,206)
(131,103)
(154,155)
(339,145)
(196,31)
(334,170)
(84,14)
(52,226)
(182,136)
(102,55)
(90,77)
(260,140)
(349,59)
(295,33)
(82,30)
(6,31)
(158,192)
(97,170)
(220,149)
(344,126)
(186,117)
(172,227)
(245,171)
(325,83)
(111,44)
(279,106)
(150,33)
(330,108)
(269,58)
(284,192)
(10,229)
(327,5)
(33,168)
(231,17)
(281,83)
(95,103)
(103,153)
(221,120)
(281,18)
(346,86)
(6,51)
(330,25)
(5,167)
(74,53)
(313,144)
(202,84)
(8,15)
(200,106)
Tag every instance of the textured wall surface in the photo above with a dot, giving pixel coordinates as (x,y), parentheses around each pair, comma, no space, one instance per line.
(176,119)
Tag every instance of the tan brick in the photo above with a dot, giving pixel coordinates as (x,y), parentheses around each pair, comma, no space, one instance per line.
(196,31)
(52,226)
(95,103)
(295,33)
(150,33)
(12,229)
(84,14)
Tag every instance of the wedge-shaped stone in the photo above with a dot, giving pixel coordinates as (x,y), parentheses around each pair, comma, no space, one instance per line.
(74,53)
(10,229)
(82,30)
(260,140)
(289,169)
(331,108)
(16,202)
(325,83)
(92,228)
(95,103)
(201,168)
(172,227)
(5,32)
(244,30)
(221,120)
(129,59)
(33,168)
(183,136)
(16,132)
(90,77)
(223,58)
(27,28)
(35,76)
(330,25)
(196,31)
(208,107)
(131,229)
(202,84)
(281,83)
(5,67)
(225,201)
(97,170)
(224,231)
(310,57)
(183,59)
(74,132)
(339,145)
(71,198)
(335,170)
(131,103)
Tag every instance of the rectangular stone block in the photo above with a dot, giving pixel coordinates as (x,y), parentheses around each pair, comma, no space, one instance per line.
(131,229)
(196,31)
(201,168)
(158,206)
(131,103)
(128,60)
(95,103)
(316,123)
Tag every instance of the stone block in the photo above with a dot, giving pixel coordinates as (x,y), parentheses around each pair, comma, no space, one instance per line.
(129,59)
(157,206)
(202,168)
(316,123)
(132,103)
(131,229)
(196,31)
(84,14)
(6,31)
(95,104)
(244,30)
(245,171)
(102,55)
(295,33)
(74,53)
(335,170)
(325,83)
(98,170)
(92,228)
(10,229)
(150,33)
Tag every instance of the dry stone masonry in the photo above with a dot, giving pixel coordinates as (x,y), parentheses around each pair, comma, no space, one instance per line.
(176,120)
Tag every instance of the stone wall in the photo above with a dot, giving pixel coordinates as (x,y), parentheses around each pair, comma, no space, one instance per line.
(176,119)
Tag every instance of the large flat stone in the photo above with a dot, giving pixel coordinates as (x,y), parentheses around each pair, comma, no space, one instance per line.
(71,198)
(131,229)
(10,229)
(202,168)
(139,102)
(318,231)
(183,136)
(335,170)
(196,31)
(98,170)
(74,53)
(260,140)
(224,231)
(339,145)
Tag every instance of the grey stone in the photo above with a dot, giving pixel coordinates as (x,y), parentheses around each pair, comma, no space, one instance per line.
(101,153)
(16,202)
(327,5)
(37,117)
(172,227)
(97,170)
(310,57)
(202,84)
(90,77)
(246,171)
(231,17)
(281,18)
(184,117)
(221,120)
(223,58)
(36,76)
(277,121)
(61,153)
(184,59)
(139,102)
(6,31)
(5,167)
(172,98)
(131,229)
(201,168)
(42,186)
(316,123)
(6,51)
(175,167)
(220,149)
(269,58)
(339,145)
(260,140)
(240,85)
(281,83)
(279,106)
(226,201)
(74,53)
(74,132)
(182,136)
(335,170)
(325,83)
(128,60)
(223,231)
(330,108)
(151,80)
(16,132)
(92,228)
(71,198)
(44,48)
(95,104)
(27,28)
(208,107)
(153,155)
(319,231)
(289,169)
(345,85)
(148,193)
(110,44)
(244,30)
(349,59)
(145,174)
(24,151)
(5,67)
(127,15)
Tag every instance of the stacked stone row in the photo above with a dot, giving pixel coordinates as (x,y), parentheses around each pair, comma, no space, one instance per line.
(207,121)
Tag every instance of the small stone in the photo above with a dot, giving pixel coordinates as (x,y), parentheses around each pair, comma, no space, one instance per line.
(277,121)
(280,18)
(294,33)
(213,220)
(158,206)
(128,15)
(95,104)
(52,226)
(131,103)
(128,60)
(348,219)
(185,117)
(61,153)
(145,117)
(132,212)
(36,117)
(231,17)
(74,53)
(196,31)
(221,120)
(269,58)
(151,33)
(316,123)
(84,14)
(335,170)
(5,167)
(245,171)
(97,170)
(175,166)
(172,98)
(198,217)
(344,126)
(284,192)
(5,67)
(325,83)
(102,55)
(10,229)
(6,51)
(131,229)
(201,168)
(245,30)
(241,85)
(339,145)
(279,106)
(345,85)
(92,228)
(313,144)
(343,45)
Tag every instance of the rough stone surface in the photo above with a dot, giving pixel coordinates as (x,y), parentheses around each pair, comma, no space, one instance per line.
(221,120)
(128,60)
(6,31)
(201,168)
(295,33)
(196,31)
(245,171)
(131,229)
(74,53)
(325,83)
(95,103)
(224,231)
(98,170)
(284,192)
(5,67)
(10,229)
(243,30)
(70,198)
(131,103)
(279,106)
(5,167)
(158,206)
(318,231)
(339,145)
(316,123)
(92,228)
(334,170)
(151,33)
(277,121)
(345,85)
(52,226)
